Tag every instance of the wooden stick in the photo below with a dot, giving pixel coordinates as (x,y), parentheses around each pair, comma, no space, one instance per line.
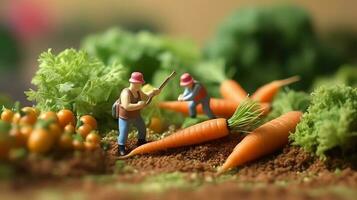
(163,84)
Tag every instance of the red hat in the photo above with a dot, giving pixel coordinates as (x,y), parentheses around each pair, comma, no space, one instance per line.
(186,79)
(137,77)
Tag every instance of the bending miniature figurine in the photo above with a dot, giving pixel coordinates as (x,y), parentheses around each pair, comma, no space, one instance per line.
(196,94)
(131,101)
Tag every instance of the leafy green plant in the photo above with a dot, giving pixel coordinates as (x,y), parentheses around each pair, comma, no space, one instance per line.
(288,100)
(75,81)
(192,121)
(143,51)
(347,74)
(10,52)
(330,121)
(155,56)
(262,44)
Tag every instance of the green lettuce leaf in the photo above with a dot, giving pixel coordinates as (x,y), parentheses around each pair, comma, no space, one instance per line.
(75,81)
(330,121)
(288,100)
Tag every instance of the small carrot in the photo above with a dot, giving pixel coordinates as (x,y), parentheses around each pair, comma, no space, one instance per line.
(220,107)
(231,90)
(266,139)
(267,92)
(245,118)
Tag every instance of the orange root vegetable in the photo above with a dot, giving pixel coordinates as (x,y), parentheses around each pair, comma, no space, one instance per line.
(245,118)
(156,124)
(231,90)
(220,107)
(264,140)
(267,92)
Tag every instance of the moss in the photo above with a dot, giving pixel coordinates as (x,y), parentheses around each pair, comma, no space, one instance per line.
(161,183)
(121,167)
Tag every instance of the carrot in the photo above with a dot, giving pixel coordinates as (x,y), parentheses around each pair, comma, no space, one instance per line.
(267,92)
(231,90)
(246,116)
(264,140)
(220,107)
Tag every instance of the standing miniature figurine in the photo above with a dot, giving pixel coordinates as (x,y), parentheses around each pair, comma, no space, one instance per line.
(196,94)
(131,101)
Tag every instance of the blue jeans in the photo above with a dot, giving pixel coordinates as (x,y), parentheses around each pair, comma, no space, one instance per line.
(205,107)
(124,129)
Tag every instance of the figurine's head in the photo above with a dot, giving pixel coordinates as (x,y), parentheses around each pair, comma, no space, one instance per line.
(186,80)
(136,80)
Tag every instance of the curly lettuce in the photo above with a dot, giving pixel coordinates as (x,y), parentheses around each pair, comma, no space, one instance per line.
(76,81)
(330,121)
(288,100)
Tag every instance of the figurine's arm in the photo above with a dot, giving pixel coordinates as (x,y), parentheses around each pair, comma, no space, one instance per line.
(125,102)
(145,96)
(185,92)
(180,97)
(191,95)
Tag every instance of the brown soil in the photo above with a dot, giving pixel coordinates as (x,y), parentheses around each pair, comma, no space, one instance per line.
(287,174)
(199,158)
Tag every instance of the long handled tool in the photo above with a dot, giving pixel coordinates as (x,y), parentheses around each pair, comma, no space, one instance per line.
(163,84)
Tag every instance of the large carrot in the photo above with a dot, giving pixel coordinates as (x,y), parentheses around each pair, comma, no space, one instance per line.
(264,140)
(267,92)
(231,90)
(245,118)
(220,107)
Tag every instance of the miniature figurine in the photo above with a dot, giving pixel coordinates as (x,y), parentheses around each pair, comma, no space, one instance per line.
(131,101)
(196,94)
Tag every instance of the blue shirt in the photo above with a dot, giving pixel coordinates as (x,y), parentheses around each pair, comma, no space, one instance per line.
(189,94)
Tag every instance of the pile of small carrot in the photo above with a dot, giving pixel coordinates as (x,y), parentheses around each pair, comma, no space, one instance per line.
(231,90)
(233,94)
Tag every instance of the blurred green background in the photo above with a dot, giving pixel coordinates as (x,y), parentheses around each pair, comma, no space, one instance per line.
(255,41)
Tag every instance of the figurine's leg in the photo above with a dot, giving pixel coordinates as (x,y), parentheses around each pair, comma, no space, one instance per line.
(140,125)
(123,135)
(192,109)
(123,131)
(207,109)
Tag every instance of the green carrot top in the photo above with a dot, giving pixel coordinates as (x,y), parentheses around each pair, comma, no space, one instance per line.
(246,117)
